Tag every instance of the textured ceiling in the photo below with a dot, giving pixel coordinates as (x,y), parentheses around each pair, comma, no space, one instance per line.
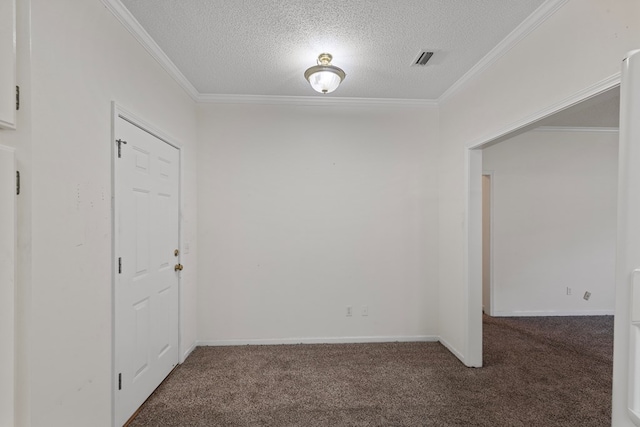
(262,47)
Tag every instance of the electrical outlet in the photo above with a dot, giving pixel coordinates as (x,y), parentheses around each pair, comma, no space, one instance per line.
(365,310)
(568,290)
(349,311)
(587,295)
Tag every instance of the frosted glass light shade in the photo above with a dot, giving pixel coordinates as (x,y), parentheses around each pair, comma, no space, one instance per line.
(324,77)
(324,81)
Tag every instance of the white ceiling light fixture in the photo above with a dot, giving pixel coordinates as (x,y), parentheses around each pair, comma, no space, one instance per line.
(324,77)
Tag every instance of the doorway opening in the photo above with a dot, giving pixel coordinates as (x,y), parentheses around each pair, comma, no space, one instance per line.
(568,110)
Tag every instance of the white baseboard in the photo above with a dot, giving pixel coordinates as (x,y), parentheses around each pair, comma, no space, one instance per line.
(452,349)
(321,340)
(188,352)
(330,340)
(541,313)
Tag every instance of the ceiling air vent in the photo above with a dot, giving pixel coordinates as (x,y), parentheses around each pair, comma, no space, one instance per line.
(422,58)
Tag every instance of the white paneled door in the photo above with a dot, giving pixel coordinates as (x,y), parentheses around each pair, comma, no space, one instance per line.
(7,284)
(8,64)
(146,181)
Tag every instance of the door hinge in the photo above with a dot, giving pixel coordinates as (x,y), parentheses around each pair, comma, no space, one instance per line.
(120,142)
(18,183)
(120,381)
(119,265)
(17,97)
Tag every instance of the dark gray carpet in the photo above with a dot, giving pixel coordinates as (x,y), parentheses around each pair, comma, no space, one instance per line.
(538,372)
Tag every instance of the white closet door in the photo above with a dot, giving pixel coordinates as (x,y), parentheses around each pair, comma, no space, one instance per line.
(7,284)
(147,277)
(7,64)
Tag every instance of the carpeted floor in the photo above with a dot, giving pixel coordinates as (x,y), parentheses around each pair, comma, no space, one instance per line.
(538,372)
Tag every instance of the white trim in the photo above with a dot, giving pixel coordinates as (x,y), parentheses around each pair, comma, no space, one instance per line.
(529,121)
(452,349)
(314,101)
(188,352)
(532,22)
(543,313)
(114,256)
(144,125)
(492,305)
(133,26)
(473,262)
(575,129)
(321,340)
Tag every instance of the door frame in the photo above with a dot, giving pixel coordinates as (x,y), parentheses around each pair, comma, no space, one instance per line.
(473,208)
(491,309)
(118,112)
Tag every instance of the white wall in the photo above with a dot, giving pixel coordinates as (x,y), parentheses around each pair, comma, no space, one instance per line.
(553,63)
(554,222)
(81,59)
(306,210)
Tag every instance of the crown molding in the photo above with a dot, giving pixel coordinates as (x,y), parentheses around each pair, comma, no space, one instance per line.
(528,122)
(576,129)
(133,26)
(140,34)
(532,22)
(314,101)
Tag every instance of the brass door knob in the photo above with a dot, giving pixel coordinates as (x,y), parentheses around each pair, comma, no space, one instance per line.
(178,267)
